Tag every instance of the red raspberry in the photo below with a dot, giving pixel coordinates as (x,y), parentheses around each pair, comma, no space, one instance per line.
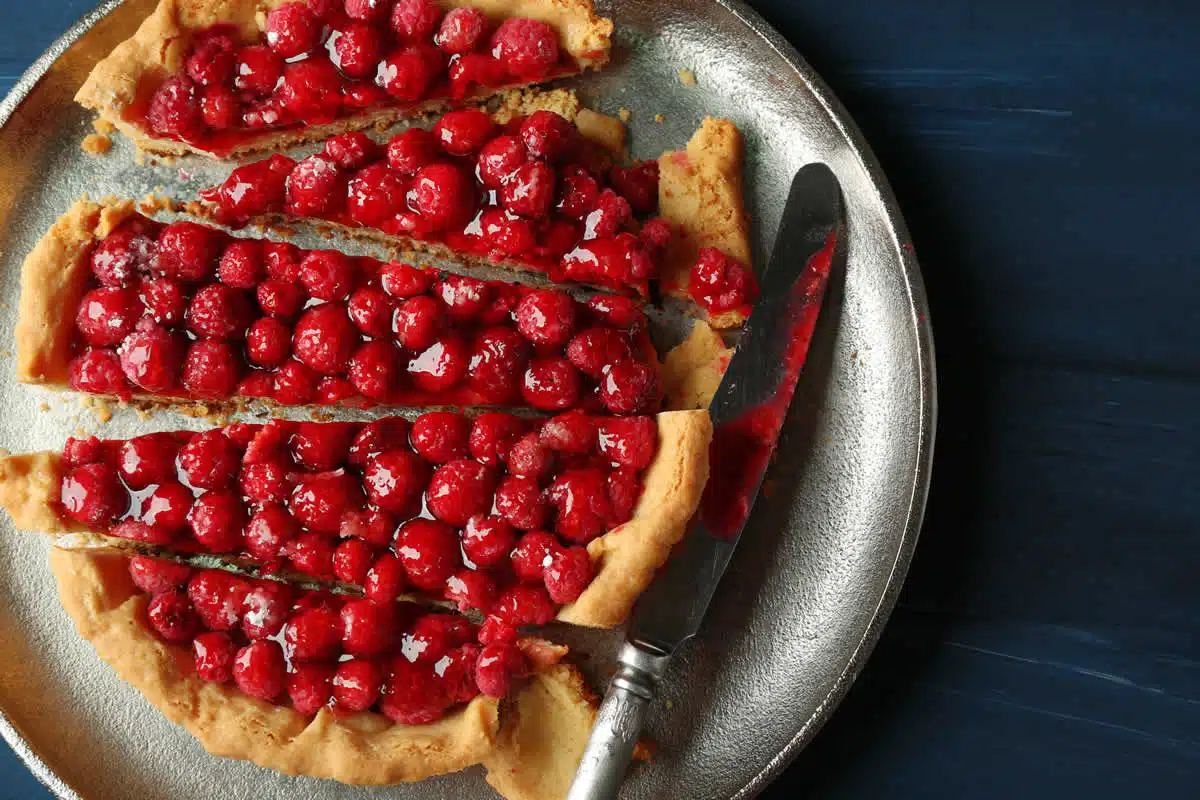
(327,275)
(172,617)
(319,446)
(311,91)
(372,526)
(295,384)
(279,299)
(316,187)
(164,300)
(241,265)
(551,384)
(408,73)
(188,251)
(389,433)
(266,443)
(155,576)
(122,254)
(529,457)
(93,495)
(463,132)
(167,508)
(441,366)
(217,519)
(265,608)
(506,234)
(469,589)
(218,598)
(549,136)
(312,635)
(254,189)
(394,481)
(617,311)
(594,349)
(418,322)
(220,108)
(77,452)
(209,460)
(375,195)
(352,150)
(265,482)
(441,436)
(440,632)
(546,317)
(175,109)
(404,280)
(211,370)
(630,387)
(412,694)
(385,580)
(457,671)
(529,190)
(351,561)
(719,283)
(624,490)
(462,30)
(355,49)
(487,540)
(148,459)
(492,435)
(655,235)
(310,687)
(532,554)
(638,184)
(268,532)
(499,159)
(367,628)
(524,605)
(412,150)
(610,214)
(282,260)
(366,10)
(568,574)
(573,433)
(415,20)
(629,441)
(292,30)
(577,192)
(371,310)
(375,370)
(211,60)
(459,490)
(325,338)
(107,315)
(218,312)
(520,501)
(98,372)
(139,532)
(470,70)
(356,685)
(581,499)
(257,71)
(527,48)
(494,630)
(498,665)
(429,551)
(321,499)
(443,195)
(464,298)
(259,670)
(268,342)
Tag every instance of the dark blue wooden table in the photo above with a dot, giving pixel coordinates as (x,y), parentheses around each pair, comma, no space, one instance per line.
(1046,156)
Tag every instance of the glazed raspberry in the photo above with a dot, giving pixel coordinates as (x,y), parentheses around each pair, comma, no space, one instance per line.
(412,694)
(443,195)
(268,342)
(629,441)
(327,275)
(325,338)
(372,526)
(211,61)
(175,109)
(617,311)
(655,234)
(292,30)
(415,20)
(310,687)
(390,433)
(367,628)
(494,630)
(719,283)
(172,617)
(630,387)
(524,605)
(499,159)
(638,184)
(441,366)
(148,459)
(551,384)
(580,497)
(577,192)
(469,589)
(366,10)
(407,74)
(463,132)
(371,310)
(412,150)
(310,91)
(532,554)
(257,71)
(139,532)
(211,370)
(219,108)
(375,195)
(546,317)
(217,519)
(429,551)
(241,265)
(282,260)
(624,489)
(441,436)
(265,608)
(253,189)
(321,446)
(620,261)
(385,580)
(568,574)
(319,500)
(154,575)
(268,532)
(457,671)
(462,30)
(265,482)
(351,561)
(594,349)
(209,460)
(259,670)
(295,384)
(122,254)
(529,190)
(506,234)
(77,452)
(218,598)
(188,251)
(394,481)
(404,280)
(527,48)
(470,70)
(98,372)
(459,490)
(548,136)
(167,508)
(356,685)
(450,630)
(355,49)
(487,540)
(107,315)
(267,442)
(492,436)
(520,501)
(315,186)
(610,214)
(218,312)
(375,370)
(312,635)
(93,494)
(530,458)
(464,298)
(352,150)
(498,665)
(280,299)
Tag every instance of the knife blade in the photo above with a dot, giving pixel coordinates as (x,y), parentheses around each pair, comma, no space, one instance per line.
(747,411)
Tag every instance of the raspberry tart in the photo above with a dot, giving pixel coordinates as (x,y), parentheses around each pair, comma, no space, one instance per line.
(522,521)
(227,78)
(114,303)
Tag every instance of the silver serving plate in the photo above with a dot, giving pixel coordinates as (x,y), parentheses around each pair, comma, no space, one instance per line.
(817,572)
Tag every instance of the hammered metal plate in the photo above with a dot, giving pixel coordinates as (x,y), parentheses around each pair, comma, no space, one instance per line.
(817,572)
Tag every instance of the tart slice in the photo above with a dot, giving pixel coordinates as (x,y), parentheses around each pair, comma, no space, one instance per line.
(521,521)
(114,303)
(227,78)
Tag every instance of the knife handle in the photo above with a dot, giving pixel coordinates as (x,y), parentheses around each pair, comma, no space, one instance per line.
(618,725)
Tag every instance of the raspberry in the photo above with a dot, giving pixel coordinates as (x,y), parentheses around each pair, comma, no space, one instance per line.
(418,322)
(375,195)
(315,187)
(573,433)
(211,370)
(390,433)
(155,576)
(492,435)
(719,283)
(167,508)
(412,695)
(268,532)
(325,338)
(638,184)
(148,459)
(257,71)
(469,589)
(172,617)
(327,275)
(268,342)
(320,500)
(548,136)
(527,48)
(462,30)
(529,457)
(164,301)
(371,310)
(529,190)
(77,452)
(366,10)
(404,280)
(122,254)
(498,665)
(107,315)
(385,580)
(487,540)
(356,685)
(355,49)
(188,251)
(265,482)
(394,481)
(367,628)
(630,387)
(280,299)
(464,298)
(321,446)
(220,108)
(594,349)
(310,687)
(459,490)
(441,436)
(218,312)
(617,311)
(93,495)
(209,460)
(311,91)
(352,559)
(295,384)
(429,552)
(264,609)
(415,20)
(443,195)
(218,598)
(524,605)
(624,490)
(580,497)
(629,441)
(408,73)
(506,234)
(546,317)
(375,370)
(241,265)
(98,372)
(312,635)
(139,532)
(655,235)
(412,150)
(568,574)
(254,189)
(494,630)
(532,554)
(217,518)
(175,109)
(520,501)
(282,260)
(259,670)
(211,60)
(473,69)
(610,214)
(551,384)
(352,150)
(457,671)
(292,30)
(499,159)
(441,366)
(461,133)
(578,192)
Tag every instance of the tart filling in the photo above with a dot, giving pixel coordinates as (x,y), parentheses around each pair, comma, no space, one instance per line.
(229,78)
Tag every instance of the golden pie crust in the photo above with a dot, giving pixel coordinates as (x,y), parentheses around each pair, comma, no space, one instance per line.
(160,45)
(625,558)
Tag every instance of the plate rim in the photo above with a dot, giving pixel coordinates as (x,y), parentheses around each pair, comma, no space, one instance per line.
(921,327)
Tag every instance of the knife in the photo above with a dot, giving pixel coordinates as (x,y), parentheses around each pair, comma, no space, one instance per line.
(747,413)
